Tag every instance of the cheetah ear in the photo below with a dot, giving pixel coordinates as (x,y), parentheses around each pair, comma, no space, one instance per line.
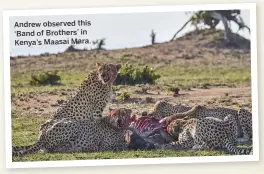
(151,114)
(144,113)
(129,132)
(133,117)
(118,67)
(98,65)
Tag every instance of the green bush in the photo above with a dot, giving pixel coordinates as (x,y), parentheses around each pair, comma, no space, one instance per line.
(116,88)
(173,89)
(124,96)
(130,76)
(45,78)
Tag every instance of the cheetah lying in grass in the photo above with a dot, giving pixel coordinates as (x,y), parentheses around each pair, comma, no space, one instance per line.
(205,133)
(163,109)
(71,135)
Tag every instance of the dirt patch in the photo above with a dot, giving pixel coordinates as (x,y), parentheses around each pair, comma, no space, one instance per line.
(46,103)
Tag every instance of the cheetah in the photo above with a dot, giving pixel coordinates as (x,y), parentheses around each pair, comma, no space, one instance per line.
(205,133)
(88,104)
(120,117)
(70,135)
(92,96)
(165,109)
(145,126)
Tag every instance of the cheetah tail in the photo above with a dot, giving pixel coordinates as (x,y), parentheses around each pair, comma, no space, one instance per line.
(25,150)
(189,113)
(21,148)
(238,151)
(182,115)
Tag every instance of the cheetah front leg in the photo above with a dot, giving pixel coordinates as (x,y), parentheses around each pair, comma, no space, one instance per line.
(244,140)
(178,145)
(246,136)
(200,146)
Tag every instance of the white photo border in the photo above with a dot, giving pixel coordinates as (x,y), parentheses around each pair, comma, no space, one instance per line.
(137,161)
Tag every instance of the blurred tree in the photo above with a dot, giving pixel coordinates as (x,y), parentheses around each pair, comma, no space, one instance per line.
(99,44)
(153,37)
(212,19)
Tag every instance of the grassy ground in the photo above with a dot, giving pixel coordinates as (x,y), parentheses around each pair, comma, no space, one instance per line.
(209,76)
(27,133)
(117,155)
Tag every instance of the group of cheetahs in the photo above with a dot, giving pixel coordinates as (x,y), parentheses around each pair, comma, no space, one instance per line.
(79,125)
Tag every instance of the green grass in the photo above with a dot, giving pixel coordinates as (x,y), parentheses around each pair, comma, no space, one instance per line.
(20,84)
(25,129)
(25,132)
(196,76)
(116,155)
(183,75)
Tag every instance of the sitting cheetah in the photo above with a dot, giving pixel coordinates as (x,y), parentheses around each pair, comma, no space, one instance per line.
(72,135)
(93,94)
(91,97)
(205,133)
(88,104)
(244,123)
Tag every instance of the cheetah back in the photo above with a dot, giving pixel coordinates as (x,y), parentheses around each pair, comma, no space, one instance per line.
(71,135)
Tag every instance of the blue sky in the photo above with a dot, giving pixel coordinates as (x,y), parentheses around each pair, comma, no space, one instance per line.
(120,30)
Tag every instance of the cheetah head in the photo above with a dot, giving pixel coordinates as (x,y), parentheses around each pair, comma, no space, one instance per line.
(107,72)
(176,127)
(161,109)
(120,117)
